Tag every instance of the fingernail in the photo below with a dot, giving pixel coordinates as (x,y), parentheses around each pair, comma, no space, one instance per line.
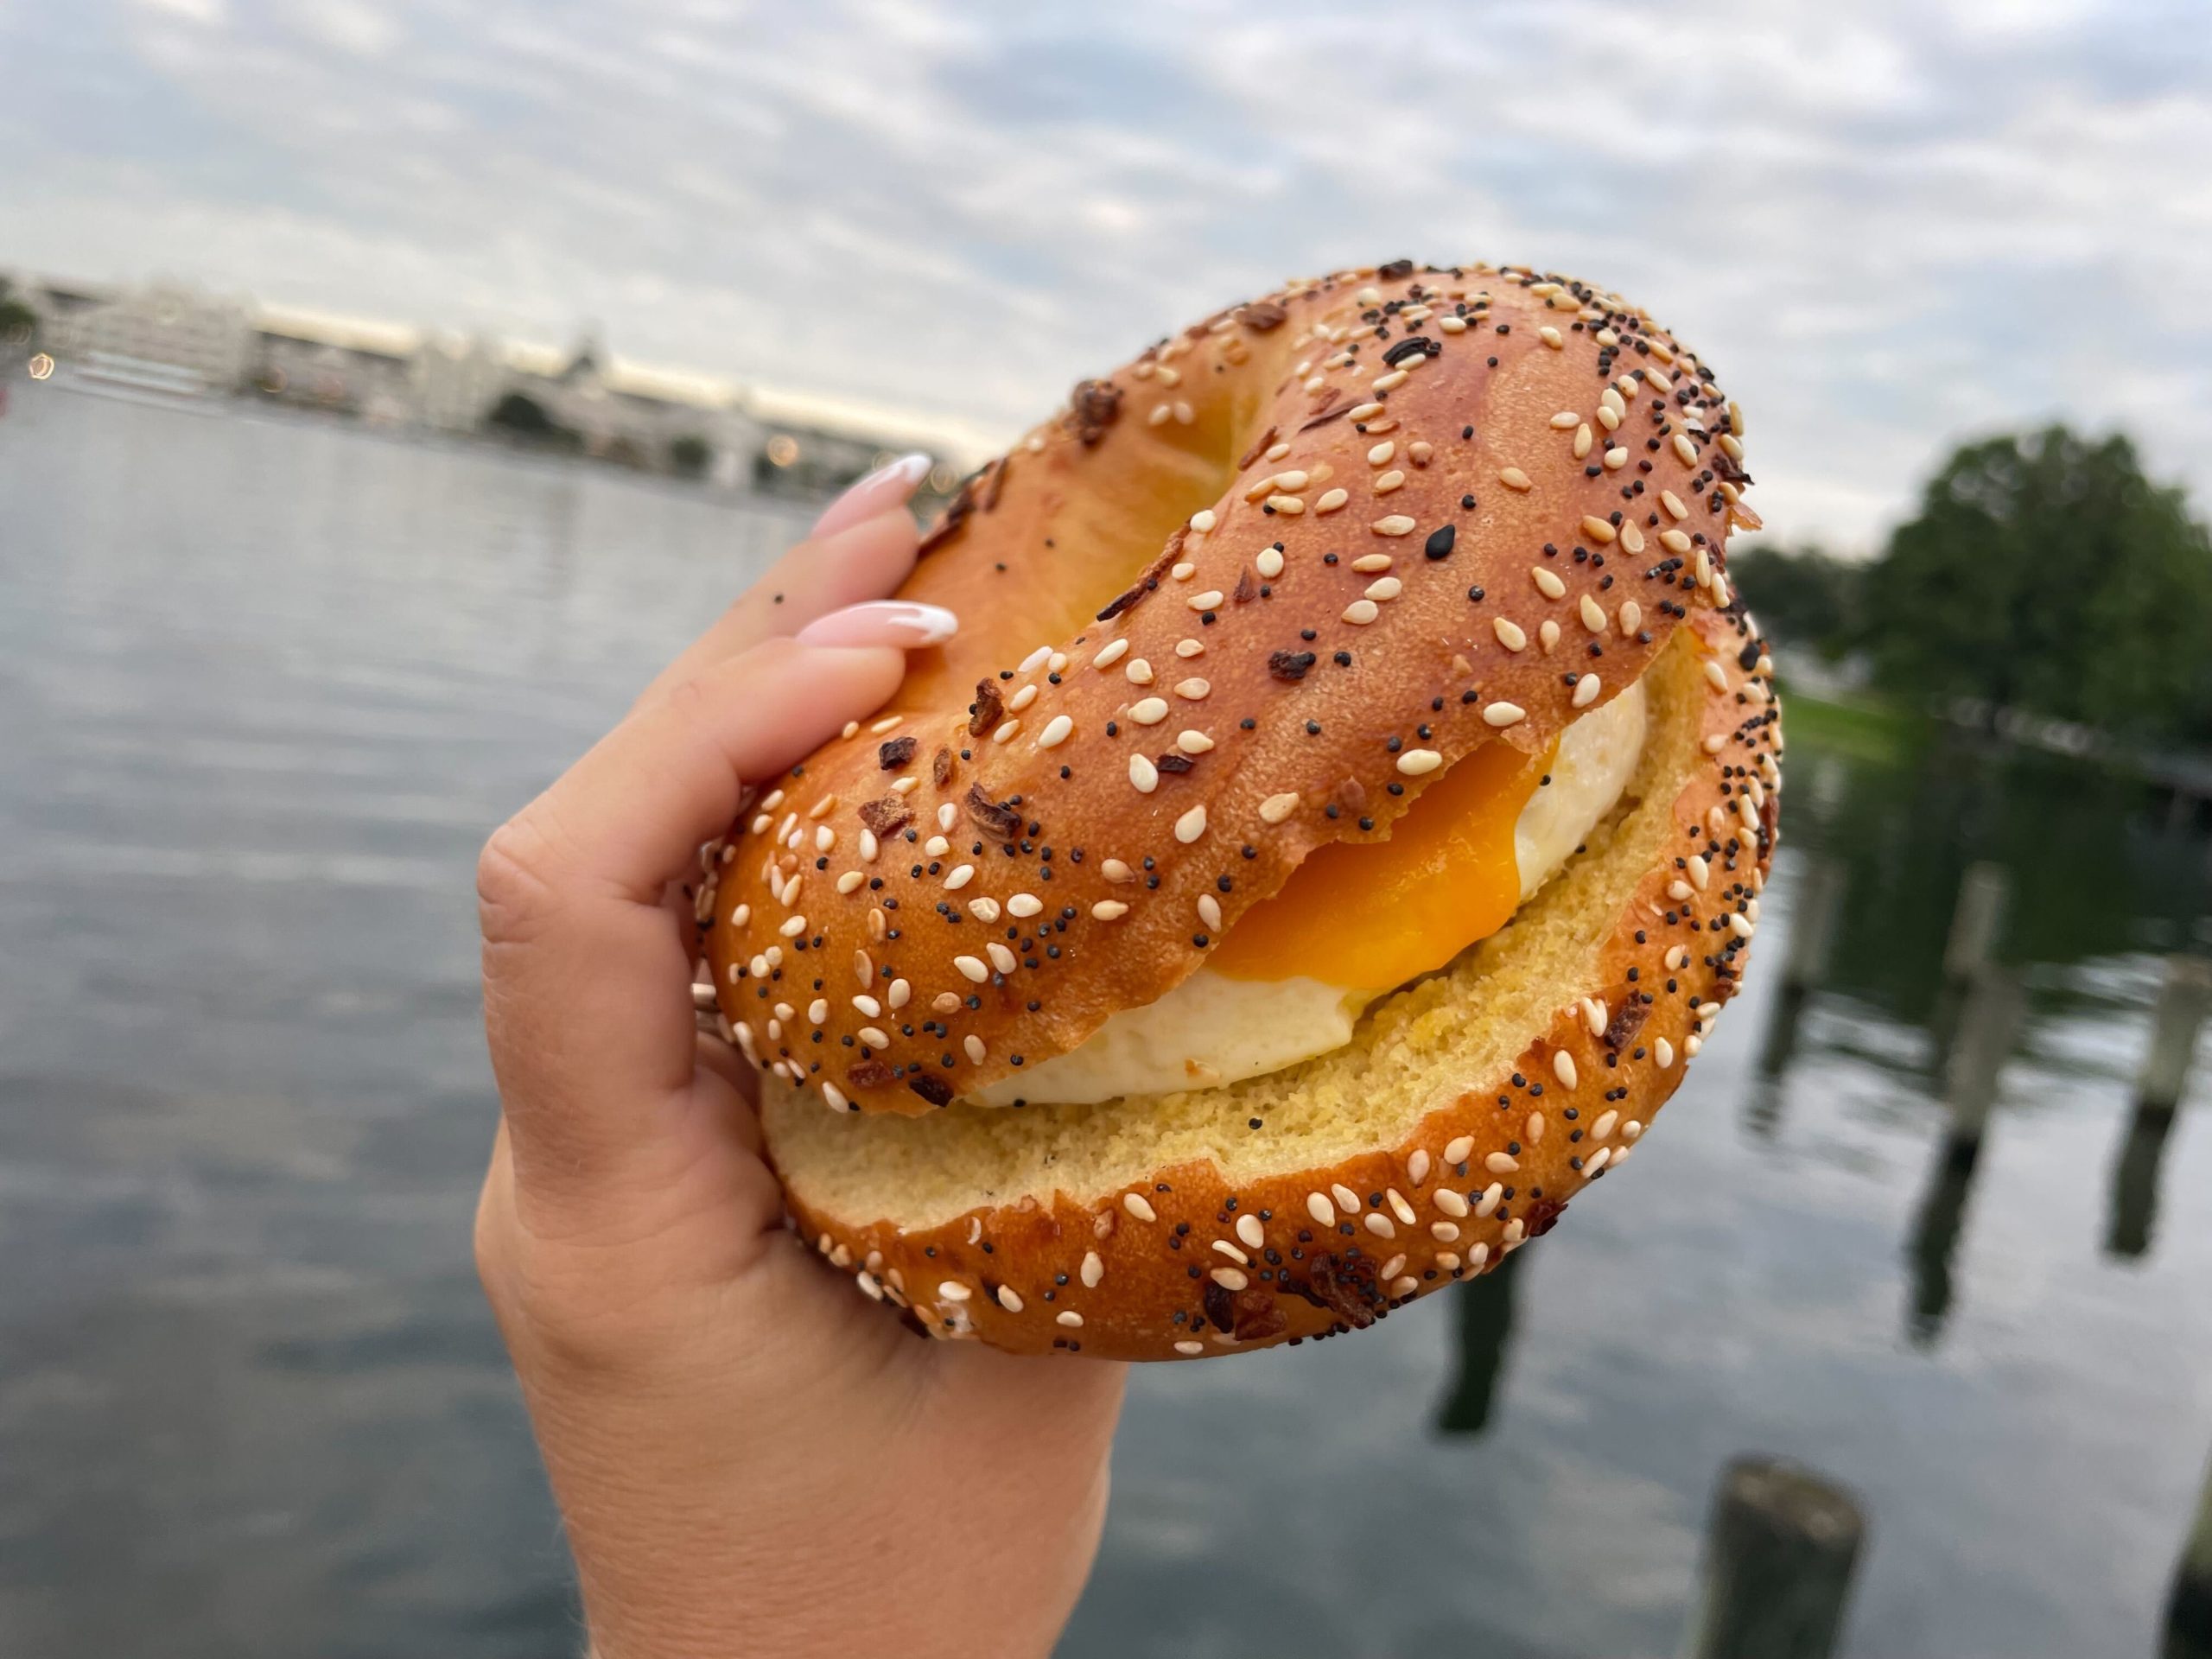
(883,622)
(886,488)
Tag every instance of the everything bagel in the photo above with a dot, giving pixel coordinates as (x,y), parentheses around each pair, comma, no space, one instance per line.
(1231,616)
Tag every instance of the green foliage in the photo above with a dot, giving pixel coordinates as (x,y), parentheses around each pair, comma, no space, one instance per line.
(18,323)
(689,456)
(521,415)
(1806,599)
(2047,573)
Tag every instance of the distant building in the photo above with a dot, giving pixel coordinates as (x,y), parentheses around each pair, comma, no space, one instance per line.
(458,380)
(339,364)
(185,340)
(623,411)
(812,444)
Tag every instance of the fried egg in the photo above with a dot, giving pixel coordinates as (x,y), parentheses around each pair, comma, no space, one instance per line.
(1292,976)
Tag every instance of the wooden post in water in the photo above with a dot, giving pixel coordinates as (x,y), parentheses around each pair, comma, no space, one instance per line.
(1812,924)
(1778,1560)
(2188,1605)
(1987,1025)
(1984,894)
(2184,999)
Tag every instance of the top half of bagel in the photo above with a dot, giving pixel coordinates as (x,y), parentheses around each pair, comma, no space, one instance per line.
(1250,594)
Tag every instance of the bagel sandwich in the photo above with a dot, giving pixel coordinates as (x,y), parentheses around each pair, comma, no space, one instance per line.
(1339,821)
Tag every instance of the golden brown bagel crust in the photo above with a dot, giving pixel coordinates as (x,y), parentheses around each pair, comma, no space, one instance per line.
(1436,504)
(1108,1275)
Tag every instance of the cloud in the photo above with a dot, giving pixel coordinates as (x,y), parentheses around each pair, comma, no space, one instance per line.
(1890,224)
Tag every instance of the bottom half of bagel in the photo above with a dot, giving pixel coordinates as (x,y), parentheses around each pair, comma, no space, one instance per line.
(1469,1107)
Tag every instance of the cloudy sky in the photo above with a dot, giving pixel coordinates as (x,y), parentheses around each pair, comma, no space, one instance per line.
(1888,223)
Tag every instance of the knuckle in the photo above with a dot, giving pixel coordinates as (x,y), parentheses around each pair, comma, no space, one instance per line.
(513,881)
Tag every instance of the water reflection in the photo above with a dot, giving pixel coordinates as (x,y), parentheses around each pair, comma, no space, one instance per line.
(1481,1318)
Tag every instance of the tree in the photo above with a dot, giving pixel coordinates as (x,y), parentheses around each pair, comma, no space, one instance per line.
(18,323)
(1807,598)
(689,456)
(521,415)
(2047,573)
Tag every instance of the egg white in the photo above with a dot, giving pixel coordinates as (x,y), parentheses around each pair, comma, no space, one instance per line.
(1212,1029)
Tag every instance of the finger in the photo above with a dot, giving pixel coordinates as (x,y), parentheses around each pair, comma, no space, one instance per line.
(889,486)
(588,975)
(855,560)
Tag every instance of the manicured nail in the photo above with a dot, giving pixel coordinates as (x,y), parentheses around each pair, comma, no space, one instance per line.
(883,622)
(886,488)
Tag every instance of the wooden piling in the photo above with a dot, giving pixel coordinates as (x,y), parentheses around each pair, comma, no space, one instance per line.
(2184,999)
(1778,1560)
(1984,894)
(2188,1605)
(1987,1024)
(2132,1214)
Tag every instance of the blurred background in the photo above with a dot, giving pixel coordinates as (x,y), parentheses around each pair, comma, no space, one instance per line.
(391,385)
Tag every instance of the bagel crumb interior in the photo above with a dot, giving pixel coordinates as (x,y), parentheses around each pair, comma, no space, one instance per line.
(1415,1051)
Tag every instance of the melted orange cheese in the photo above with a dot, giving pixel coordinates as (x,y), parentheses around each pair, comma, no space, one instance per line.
(1375,914)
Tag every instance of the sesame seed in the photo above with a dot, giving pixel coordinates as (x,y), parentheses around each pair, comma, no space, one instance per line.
(1210,911)
(1563,1068)
(1502,715)
(792,928)
(1486,1206)
(953,1290)
(1182,571)
(1663,1051)
(1598,1160)
(1317,1206)
(973,967)
(1417,1166)
(1361,612)
(1385,588)
(1673,503)
(1331,500)
(1699,871)
(1009,1299)
(1686,450)
(1230,1278)
(1501,1163)
(1380,1224)
(1716,674)
(1193,742)
(959,877)
(1381,453)
(1565,419)
(1193,689)
(1396,524)
(1055,733)
(1347,1200)
(1399,1207)
(1137,1205)
(1111,654)
(1001,958)
(1149,712)
(1190,1348)
(1596,528)
(1552,338)
(1109,910)
(1582,441)
(1289,506)
(1586,691)
(1593,614)
(1276,808)
(1139,673)
(1674,540)
(1547,582)
(1270,564)
(1202,520)
(1209,601)
(1364,412)
(1005,732)
(1632,616)
(1192,824)
(1024,903)
(1092,1270)
(1450,1201)
(1514,479)
(1391,381)
(849,880)
(1509,634)
(1070,1318)
(1414,762)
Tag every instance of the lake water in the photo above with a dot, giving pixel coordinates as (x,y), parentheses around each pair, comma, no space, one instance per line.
(265,688)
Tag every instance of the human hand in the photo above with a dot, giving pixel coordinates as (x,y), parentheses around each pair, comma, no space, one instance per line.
(751,1458)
